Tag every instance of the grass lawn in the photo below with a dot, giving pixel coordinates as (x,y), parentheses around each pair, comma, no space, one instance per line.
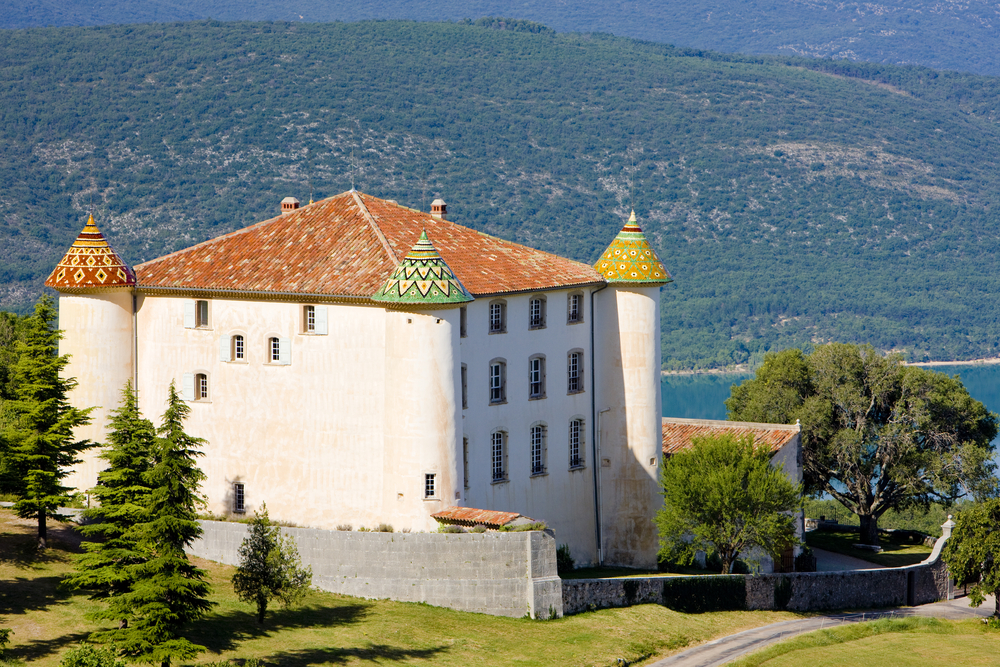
(330,629)
(896,551)
(910,642)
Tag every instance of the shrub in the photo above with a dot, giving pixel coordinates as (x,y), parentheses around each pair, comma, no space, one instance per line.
(478,529)
(805,561)
(344,526)
(696,595)
(448,528)
(564,561)
(88,655)
(383,528)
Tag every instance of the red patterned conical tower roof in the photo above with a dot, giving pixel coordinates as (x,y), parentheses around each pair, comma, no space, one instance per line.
(630,260)
(90,264)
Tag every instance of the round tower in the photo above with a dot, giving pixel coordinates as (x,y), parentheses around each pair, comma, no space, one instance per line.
(421,464)
(627,385)
(95,314)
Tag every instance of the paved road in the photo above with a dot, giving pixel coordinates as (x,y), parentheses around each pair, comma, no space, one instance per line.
(722,651)
(827,561)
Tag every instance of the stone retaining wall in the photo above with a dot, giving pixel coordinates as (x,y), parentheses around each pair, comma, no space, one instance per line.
(503,574)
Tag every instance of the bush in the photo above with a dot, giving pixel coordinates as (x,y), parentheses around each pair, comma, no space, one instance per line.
(383,528)
(344,526)
(805,561)
(448,528)
(478,529)
(88,655)
(564,561)
(696,595)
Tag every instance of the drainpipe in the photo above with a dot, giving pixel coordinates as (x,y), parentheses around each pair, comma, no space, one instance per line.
(595,431)
(135,343)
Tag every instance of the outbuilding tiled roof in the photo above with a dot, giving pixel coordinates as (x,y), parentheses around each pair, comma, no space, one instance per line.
(90,264)
(348,246)
(471,516)
(678,433)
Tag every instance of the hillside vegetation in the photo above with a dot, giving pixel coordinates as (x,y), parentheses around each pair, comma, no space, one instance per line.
(960,36)
(794,200)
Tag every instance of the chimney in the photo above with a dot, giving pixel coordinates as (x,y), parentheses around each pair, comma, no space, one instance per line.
(289,204)
(439,209)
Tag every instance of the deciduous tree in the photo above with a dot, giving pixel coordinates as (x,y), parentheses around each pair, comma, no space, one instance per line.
(973,551)
(876,434)
(269,567)
(38,422)
(723,494)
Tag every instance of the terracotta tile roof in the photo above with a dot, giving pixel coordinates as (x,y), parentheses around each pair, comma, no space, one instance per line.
(631,260)
(471,516)
(90,264)
(348,246)
(678,433)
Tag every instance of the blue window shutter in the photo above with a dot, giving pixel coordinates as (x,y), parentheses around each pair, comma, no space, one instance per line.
(284,351)
(321,320)
(224,348)
(189,320)
(187,388)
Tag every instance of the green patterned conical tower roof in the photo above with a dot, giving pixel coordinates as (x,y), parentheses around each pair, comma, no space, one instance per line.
(422,279)
(630,260)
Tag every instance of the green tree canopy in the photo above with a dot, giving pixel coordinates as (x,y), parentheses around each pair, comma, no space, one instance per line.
(724,495)
(876,434)
(973,551)
(124,494)
(269,567)
(38,442)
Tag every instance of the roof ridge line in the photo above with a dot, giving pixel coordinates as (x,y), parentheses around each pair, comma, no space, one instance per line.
(374,225)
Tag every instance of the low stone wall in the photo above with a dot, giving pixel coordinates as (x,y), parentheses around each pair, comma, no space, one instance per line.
(798,591)
(503,574)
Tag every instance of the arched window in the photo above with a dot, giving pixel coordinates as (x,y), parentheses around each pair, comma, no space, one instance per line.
(538,449)
(576,449)
(498,381)
(536,312)
(574,371)
(201,387)
(238,348)
(536,376)
(498,317)
(279,351)
(499,456)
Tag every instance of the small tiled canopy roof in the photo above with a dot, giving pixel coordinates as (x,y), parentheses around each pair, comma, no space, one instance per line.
(348,246)
(90,264)
(469,516)
(678,433)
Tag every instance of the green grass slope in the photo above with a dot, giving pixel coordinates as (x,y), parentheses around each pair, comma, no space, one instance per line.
(795,201)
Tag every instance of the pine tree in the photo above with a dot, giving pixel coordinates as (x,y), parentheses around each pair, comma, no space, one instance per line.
(124,496)
(38,423)
(269,567)
(167,591)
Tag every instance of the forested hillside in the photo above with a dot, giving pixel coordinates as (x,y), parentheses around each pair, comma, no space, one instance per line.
(843,202)
(961,36)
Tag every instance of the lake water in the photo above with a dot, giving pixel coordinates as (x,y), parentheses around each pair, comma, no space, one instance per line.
(703,396)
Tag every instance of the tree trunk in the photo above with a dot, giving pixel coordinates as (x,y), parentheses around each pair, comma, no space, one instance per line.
(43,533)
(996,600)
(261,610)
(869,529)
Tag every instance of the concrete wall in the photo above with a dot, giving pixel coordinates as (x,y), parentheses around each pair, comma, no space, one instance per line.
(804,591)
(503,574)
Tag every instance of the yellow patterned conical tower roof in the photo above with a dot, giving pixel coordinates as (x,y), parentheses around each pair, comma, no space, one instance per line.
(631,260)
(90,264)
(422,280)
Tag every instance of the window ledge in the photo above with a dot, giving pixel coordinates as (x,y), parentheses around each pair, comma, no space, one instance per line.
(198,401)
(571,322)
(238,361)
(431,498)
(504,402)
(575,391)
(543,473)
(500,481)
(537,398)
(536,327)
(498,332)
(582,466)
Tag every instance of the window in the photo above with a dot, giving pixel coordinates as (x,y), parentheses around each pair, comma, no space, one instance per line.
(574,310)
(232,348)
(498,317)
(498,381)
(574,372)
(239,498)
(279,351)
(201,313)
(314,320)
(201,387)
(538,449)
(238,348)
(429,491)
(465,460)
(463,322)
(274,347)
(536,313)
(576,443)
(465,386)
(499,456)
(536,377)
(310,319)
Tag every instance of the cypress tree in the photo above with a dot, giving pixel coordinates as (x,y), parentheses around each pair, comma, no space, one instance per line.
(124,495)
(38,423)
(166,590)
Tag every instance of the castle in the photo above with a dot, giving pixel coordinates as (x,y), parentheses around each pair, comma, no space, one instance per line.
(354,361)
